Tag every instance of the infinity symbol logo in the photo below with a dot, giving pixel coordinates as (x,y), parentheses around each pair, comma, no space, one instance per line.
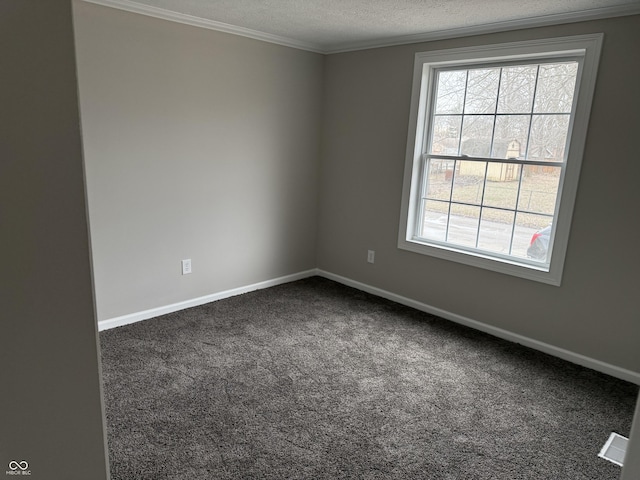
(23,465)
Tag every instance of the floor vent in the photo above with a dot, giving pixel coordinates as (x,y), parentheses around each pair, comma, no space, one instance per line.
(614,449)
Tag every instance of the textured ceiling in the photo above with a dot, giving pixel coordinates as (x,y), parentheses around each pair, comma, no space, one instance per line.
(333,25)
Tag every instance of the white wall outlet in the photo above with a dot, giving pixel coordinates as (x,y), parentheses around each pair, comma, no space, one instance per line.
(371,256)
(186,266)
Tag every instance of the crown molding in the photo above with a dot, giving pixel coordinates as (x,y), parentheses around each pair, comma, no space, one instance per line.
(531,22)
(161,13)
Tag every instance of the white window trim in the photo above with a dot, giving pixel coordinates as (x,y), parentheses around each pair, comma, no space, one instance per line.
(587,46)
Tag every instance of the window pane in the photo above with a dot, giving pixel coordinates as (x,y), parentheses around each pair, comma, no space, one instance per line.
(463,225)
(482,90)
(476,135)
(556,84)
(446,135)
(527,225)
(501,189)
(469,182)
(548,137)
(510,140)
(495,230)
(516,89)
(450,93)
(439,178)
(434,220)
(539,189)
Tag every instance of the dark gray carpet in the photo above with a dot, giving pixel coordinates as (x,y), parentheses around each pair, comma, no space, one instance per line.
(314,380)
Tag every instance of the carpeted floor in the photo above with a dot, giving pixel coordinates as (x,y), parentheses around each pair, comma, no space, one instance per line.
(315,380)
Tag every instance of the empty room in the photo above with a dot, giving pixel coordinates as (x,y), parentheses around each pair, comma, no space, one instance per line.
(317,240)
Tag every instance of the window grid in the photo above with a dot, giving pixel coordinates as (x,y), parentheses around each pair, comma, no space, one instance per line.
(484,189)
(521,162)
(464,103)
(533,103)
(531,114)
(515,215)
(495,112)
(514,161)
(481,205)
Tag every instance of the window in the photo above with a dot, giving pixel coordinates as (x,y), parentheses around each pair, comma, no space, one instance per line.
(494,151)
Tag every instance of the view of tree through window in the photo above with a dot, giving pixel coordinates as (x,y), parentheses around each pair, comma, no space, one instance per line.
(496,145)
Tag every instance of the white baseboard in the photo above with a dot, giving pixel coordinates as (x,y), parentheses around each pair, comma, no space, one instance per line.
(174,307)
(614,371)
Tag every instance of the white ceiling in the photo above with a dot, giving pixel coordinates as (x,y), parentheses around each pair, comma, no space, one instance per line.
(329,26)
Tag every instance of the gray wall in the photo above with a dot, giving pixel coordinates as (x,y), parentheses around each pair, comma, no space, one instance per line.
(198,145)
(50,406)
(205,145)
(595,311)
(631,470)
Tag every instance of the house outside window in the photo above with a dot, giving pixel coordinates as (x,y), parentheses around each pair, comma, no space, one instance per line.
(495,146)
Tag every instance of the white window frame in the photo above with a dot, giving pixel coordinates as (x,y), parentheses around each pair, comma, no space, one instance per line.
(586,46)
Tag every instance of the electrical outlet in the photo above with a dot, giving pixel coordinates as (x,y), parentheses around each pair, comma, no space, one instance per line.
(186,266)
(371,256)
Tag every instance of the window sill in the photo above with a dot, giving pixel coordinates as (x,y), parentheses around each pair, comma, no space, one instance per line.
(543,273)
